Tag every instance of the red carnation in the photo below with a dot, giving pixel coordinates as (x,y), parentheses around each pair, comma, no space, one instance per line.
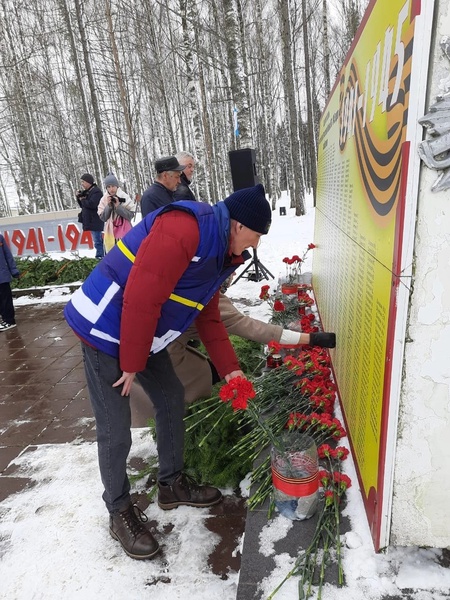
(239,390)
(278,306)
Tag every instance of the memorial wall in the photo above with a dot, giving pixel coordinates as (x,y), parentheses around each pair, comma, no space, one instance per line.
(364,229)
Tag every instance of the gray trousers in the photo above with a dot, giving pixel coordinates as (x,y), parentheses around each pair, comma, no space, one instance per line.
(113,420)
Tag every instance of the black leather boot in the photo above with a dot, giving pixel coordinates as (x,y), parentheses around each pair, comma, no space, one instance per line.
(127,528)
(185,492)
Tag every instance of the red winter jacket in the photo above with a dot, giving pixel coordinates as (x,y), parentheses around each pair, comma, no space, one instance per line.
(174,234)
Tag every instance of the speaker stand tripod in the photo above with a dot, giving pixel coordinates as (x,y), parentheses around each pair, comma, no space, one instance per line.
(258,274)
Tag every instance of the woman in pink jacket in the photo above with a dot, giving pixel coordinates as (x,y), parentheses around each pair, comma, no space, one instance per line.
(116,209)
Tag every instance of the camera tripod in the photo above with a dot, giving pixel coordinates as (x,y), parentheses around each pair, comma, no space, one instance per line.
(258,274)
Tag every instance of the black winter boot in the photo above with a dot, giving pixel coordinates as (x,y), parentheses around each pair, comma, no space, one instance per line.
(126,527)
(322,339)
(185,492)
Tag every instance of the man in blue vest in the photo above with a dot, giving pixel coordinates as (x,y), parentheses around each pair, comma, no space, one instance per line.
(164,275)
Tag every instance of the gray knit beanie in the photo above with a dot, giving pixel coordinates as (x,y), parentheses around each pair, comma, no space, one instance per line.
(250,208)
(110,179)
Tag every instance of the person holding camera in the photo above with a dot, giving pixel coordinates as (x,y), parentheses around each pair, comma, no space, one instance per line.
(88,198)
(116,209)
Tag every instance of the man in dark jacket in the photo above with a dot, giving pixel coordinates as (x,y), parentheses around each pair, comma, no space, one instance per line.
(183,191)
(160,193)
(88,198)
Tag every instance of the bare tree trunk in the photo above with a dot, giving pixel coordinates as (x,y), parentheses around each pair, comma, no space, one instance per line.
(309,107)
(47,131)
(84,105)
(243,45)
(210,163)
(295,177)
(237,73)
(326,48)
(193,69)
(165,90)
(177,93)
(266,130)
(92,89)
(352,16)
(123,95)
(5,209)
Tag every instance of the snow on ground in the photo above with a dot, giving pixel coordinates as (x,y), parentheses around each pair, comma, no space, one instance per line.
(54,541)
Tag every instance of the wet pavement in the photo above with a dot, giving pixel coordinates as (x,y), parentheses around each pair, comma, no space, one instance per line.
(44,400)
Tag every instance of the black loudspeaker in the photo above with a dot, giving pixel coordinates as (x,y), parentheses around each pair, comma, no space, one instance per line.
(243,168)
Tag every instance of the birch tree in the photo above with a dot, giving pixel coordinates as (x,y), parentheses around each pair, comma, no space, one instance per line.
(295,182)
(195,90)
(122,94)
(92,88)
(311,156)
(89,142)
(326,48)
(237,73)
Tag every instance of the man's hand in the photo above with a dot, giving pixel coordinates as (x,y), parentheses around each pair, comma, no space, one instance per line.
(233,375)
(126,380)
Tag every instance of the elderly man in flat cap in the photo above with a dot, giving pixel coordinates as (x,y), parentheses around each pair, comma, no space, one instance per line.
(160,193)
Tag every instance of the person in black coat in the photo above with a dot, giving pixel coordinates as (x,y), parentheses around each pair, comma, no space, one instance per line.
(88,199)
(183,191)
(160,193)
(8,270)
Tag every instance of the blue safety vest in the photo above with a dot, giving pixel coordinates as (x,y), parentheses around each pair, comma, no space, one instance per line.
(94,311)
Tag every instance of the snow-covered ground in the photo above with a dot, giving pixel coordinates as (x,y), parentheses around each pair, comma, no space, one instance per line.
(54,542)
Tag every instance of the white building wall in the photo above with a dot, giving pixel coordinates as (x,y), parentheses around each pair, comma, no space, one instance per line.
(420,508)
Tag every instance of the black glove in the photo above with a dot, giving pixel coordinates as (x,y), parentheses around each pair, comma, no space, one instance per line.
(322,339)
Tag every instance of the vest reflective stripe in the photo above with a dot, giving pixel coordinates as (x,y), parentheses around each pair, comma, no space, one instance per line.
(173,297)
(104,336)
(161,342)
(87,308)
(125,250)
(186,301)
